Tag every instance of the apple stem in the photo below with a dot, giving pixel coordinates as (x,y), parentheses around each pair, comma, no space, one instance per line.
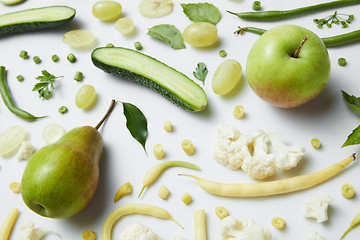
(297,52)
(107,114)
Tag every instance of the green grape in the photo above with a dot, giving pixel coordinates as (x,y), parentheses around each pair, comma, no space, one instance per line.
(107,11)
(200,34)
(125,26)
(226,77)
(86,97)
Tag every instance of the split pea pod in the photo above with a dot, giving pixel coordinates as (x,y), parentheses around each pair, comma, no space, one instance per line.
(8,100)
(155,172)
(129,209)
(332,41)
(261,189)
(286,14)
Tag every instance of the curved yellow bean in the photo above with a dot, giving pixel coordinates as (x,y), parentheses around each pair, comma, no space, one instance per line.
(129,209)
(261,189)
(125,189)
(155,172)
(7,226)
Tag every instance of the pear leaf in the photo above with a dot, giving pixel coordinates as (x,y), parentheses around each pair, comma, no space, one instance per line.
(353,138)
(136,123)
(353,102)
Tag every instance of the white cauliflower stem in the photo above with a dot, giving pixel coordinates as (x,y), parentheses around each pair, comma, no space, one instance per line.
(316,207)
(138,232)
(247,229)
(252,152)
(29,232)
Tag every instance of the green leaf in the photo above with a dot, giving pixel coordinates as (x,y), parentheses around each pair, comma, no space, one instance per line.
(353,138)
(136,123)
(168,34)
(201,71)
(202,12)
(46,80)
(353,102)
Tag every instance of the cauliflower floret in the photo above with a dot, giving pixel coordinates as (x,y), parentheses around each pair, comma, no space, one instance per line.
(287,156)
(229,147)
(316,207)
(247,229)
(260,164)
(26,151)
(138,232)
(314,236)
(29,232)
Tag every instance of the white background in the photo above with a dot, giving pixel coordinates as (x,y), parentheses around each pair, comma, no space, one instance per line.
(327,118)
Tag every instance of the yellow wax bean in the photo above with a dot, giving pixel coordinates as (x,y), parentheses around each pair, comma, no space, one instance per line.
(7,226)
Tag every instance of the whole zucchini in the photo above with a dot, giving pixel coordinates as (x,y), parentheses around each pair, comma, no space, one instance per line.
(138,67)
(35,19)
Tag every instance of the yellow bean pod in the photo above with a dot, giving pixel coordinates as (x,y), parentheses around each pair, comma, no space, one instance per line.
(7,226)
(155,172)
(261,189)
(200,227)
(125,189)
(129,209)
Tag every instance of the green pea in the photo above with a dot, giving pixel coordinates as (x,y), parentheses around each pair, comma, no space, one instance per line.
(55,58)
(342,61)
(222,53)
(63,109)
(138,45)
(36,59)
(20,78)
(256,5)
(71,57)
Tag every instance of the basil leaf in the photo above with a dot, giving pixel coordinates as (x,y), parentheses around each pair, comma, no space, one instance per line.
(353,138)
(168,34)
(136,123)
(353,102)
(202,12)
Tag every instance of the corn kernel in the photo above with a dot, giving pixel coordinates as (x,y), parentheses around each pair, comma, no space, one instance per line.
(238,112)
(159,151)
(188,147)
(15,187)
(278,223)
(221,212)
(168,126)
(315,143)
(88,235)
(186,198)
(348,191)
(164,192)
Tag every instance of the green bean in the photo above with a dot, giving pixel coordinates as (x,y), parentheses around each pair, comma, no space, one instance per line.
(333,41)
(71,57)
(154,173)
(8,100)
(285,14)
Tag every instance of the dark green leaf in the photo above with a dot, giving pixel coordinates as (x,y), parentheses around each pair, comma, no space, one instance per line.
(168,34)
(202,12)
(136,123)
(353,138)
(201,71)
(353,102)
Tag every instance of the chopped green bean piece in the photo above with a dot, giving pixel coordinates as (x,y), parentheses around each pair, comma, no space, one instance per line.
(71,57)
(20,78)
(79,76)
(222,53)
(138,45)
(37,60)
(342,61)
(63,109)
(109,45)
(24,54)
(55,58)
(256,5)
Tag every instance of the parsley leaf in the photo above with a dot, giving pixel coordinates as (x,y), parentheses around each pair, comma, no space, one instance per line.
(201,71)
(353,102)
(46,84)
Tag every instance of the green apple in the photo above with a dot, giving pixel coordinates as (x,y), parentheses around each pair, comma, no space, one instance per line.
(281,77)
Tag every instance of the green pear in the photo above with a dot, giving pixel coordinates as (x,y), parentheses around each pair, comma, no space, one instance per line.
(61,178)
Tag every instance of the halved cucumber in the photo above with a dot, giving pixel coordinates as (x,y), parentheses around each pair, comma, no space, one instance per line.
(35,19)
(138,67)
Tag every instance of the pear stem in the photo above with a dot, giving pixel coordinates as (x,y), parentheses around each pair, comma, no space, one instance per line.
(297,52)
(107,114)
